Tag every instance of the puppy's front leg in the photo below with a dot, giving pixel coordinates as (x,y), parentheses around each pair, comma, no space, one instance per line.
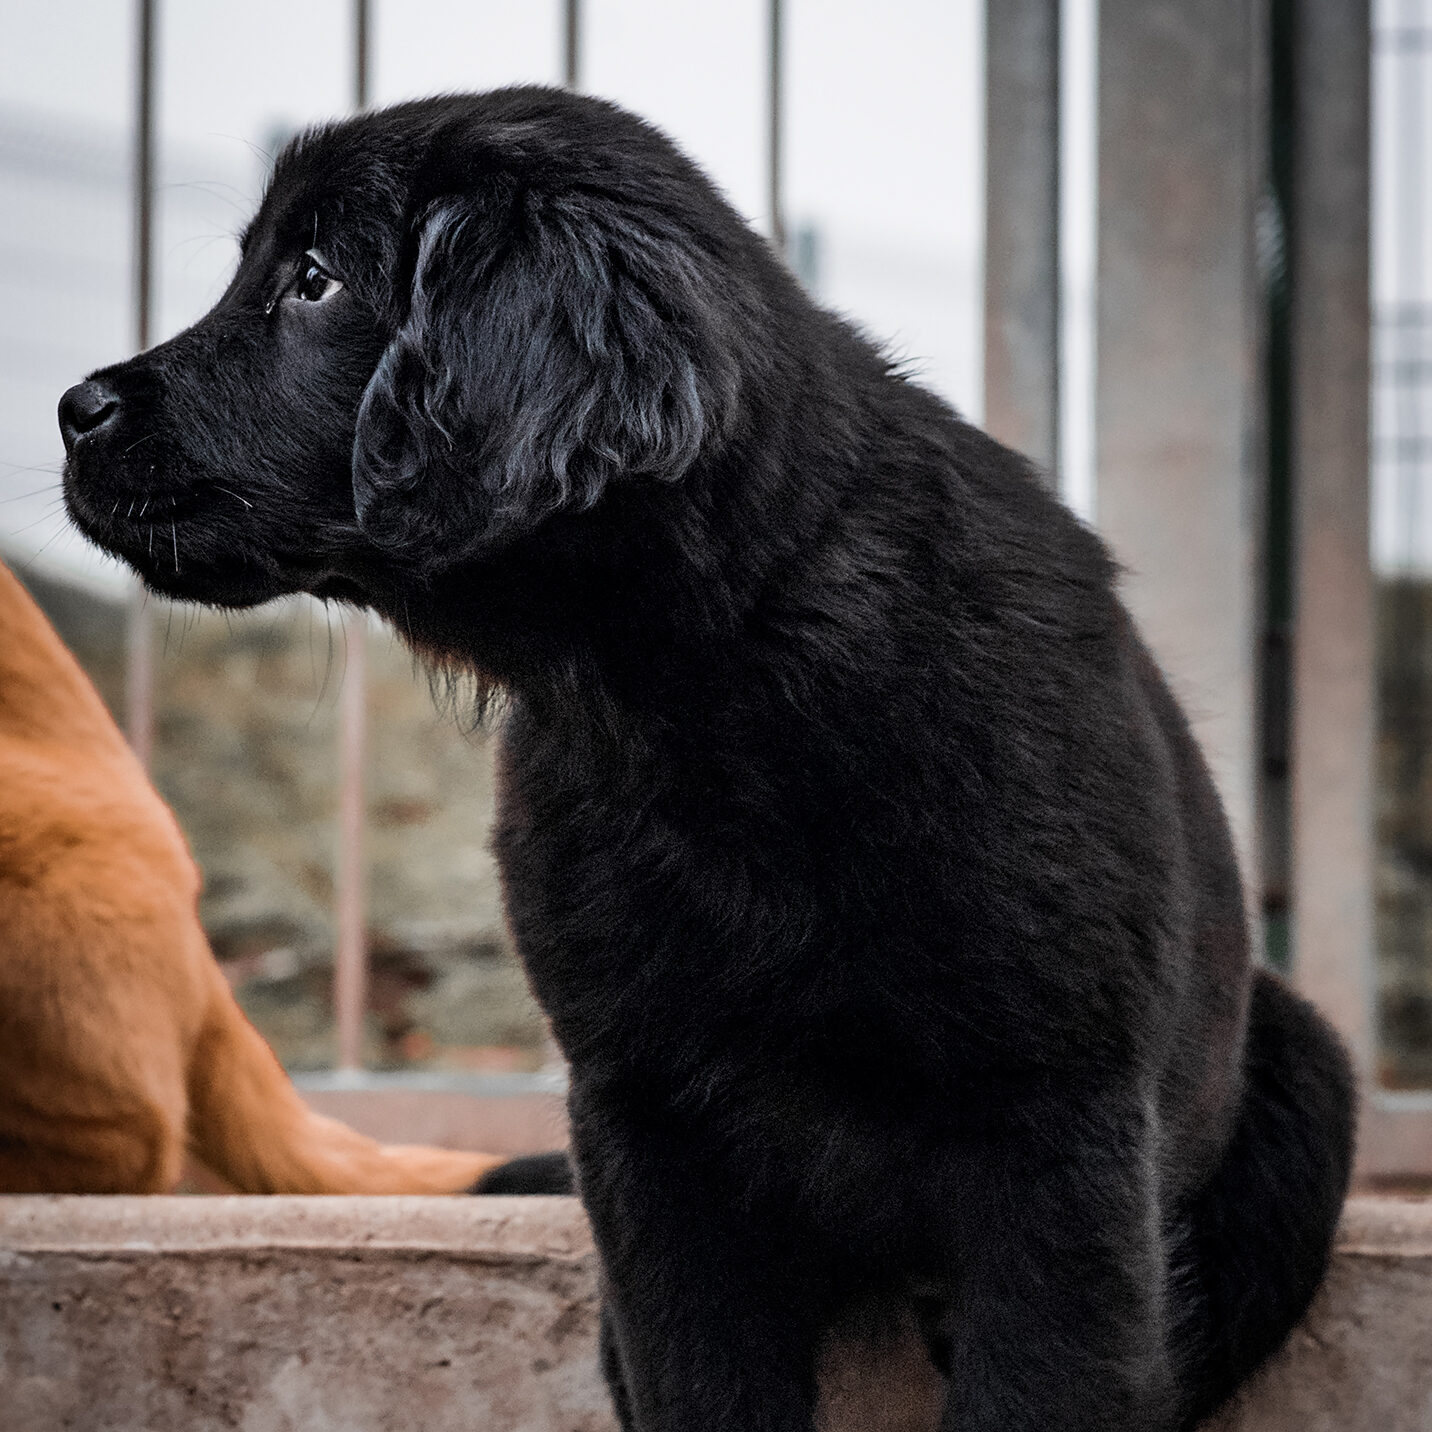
(609,1355)
(704,1327)
(1058,1317)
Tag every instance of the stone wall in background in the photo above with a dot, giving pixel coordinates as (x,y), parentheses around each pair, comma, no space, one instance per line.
(246,752)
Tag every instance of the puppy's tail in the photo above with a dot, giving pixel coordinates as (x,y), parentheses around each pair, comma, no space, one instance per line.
(248,1124)
(1254,1243)
(549,1173)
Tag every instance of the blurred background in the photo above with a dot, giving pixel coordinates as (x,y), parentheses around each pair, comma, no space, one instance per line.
(1176,250)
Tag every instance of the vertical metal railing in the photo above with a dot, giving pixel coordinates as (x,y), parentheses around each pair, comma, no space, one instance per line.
(1022,212)
(350,956)
(139,636)
(775,127)
(572,44)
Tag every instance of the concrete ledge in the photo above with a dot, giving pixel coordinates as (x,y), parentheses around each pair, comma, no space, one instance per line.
(297,1315)
(374,1315)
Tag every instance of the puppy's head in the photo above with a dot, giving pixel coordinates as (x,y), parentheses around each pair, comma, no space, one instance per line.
(451,321)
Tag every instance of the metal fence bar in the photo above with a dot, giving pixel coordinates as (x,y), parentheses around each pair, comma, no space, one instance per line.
(1178,406)
(1022,227)
(775,126)
(1332,675)
(362,52)
(139,636)
(350,959)
(572,44)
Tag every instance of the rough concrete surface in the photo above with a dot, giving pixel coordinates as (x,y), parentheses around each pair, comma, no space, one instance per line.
(443,1315)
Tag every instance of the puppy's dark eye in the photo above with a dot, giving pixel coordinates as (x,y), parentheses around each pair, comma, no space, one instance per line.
(313,283)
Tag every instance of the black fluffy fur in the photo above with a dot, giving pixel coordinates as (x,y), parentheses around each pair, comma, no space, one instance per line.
(529,1174)
(874,885)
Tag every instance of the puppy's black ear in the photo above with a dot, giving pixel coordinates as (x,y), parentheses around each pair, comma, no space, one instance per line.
(551,346)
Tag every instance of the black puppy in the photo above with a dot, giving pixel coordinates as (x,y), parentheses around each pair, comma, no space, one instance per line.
(876,890)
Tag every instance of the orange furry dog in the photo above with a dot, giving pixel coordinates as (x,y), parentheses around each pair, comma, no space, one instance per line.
(121,1046)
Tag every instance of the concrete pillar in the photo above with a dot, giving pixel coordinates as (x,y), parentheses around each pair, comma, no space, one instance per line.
(1178,410)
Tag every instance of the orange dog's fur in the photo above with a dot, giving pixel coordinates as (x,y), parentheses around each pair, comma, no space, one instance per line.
(121,1046)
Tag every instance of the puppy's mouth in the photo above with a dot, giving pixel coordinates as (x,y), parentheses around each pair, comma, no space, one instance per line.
(129,509)
(123,520)
(166,537)
(195,545)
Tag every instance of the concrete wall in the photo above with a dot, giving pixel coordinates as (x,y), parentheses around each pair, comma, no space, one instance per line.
(374,1315)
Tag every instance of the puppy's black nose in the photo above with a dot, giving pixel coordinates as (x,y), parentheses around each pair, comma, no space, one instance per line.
(86,407)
